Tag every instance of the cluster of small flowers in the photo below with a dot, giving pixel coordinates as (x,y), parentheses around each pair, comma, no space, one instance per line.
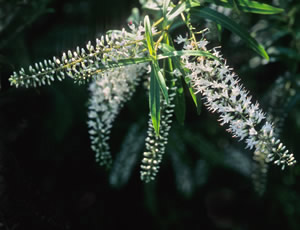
(109,92)
(81,63)
(112,88)
(224,94)
(155,144)
(128,156)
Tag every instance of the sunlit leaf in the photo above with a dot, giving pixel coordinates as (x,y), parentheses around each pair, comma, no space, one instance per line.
(177,53)
(148,35)
(181,8)
(165,7)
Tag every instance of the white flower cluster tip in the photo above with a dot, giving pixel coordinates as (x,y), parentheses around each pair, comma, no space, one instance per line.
(224,94)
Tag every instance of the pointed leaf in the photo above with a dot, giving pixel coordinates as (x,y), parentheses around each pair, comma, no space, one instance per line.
(149,37)
(165,7)
(154,101)
(177,53)
(232,26)
(181,8)
(180,108)
(219,28)
(250,6)
(124,62)
(161,80)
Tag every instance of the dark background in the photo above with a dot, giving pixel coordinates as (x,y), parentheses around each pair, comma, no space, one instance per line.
(48,176)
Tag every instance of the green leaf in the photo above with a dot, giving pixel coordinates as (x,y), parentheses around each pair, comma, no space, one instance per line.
(148,35)
(124,62)
(186,53)
(165,7)
(121,62)
(160,79)
(179,101)
(196,98)
(166,4)
(181,8)
(249,6)
(154,101)
(219,28)
(232,26)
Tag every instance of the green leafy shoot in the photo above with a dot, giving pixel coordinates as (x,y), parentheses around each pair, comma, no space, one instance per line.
(181,8)
(161,80)
(165,7)
(178,53)
(249,6)
(149,37)
(152,53)
(154,100)
(232,26)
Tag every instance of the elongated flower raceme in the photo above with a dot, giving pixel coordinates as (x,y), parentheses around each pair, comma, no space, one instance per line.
(109,92)
(156,144)
(224,94)
(83,63)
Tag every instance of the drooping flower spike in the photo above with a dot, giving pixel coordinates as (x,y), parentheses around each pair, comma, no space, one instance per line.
(223,93)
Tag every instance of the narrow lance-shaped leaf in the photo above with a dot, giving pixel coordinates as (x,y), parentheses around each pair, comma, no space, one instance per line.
(219,31)
(177,53)
(232,26)
(149,37)
(166,4)
(181,8)
(154,101)
(165,7)
(150,44)
(180,107)
(124,62)
(249,6)
(161,80)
